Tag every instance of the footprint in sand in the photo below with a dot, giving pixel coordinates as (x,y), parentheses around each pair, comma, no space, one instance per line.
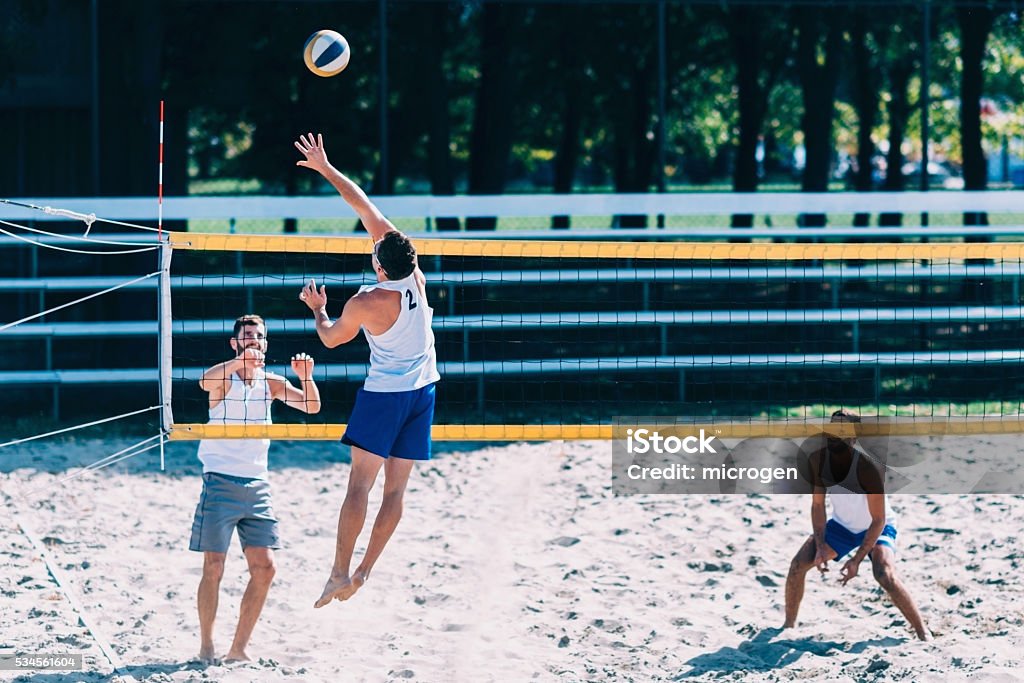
(564,541)
(710,566)
(404,673)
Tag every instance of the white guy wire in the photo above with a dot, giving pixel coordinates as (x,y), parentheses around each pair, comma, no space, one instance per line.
(106,461)
(81,426)
(78,301)
(74,238)
(70,251)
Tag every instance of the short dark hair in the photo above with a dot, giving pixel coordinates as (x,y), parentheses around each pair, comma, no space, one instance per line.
(246,320)
(849,415)
(396,255)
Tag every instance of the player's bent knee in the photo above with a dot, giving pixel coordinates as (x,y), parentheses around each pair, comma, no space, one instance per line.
(884,574)
(804,559)
(799,566)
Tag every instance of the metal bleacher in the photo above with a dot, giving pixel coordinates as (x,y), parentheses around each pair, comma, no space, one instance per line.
(648,320)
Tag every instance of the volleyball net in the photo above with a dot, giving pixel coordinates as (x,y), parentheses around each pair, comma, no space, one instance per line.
(544,339)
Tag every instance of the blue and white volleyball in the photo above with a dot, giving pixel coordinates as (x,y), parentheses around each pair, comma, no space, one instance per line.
(326,53)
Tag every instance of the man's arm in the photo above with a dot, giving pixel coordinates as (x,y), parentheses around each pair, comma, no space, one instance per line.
(818,516)
(817,498)
(876,506)
(216,378)
(337,332)
(316,158)
(305,397)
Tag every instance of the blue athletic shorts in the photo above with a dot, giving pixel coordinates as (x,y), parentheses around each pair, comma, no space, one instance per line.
(392,424)
(842,540)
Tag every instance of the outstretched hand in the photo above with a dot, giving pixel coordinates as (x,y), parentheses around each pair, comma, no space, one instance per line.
(302,366)
(313,149)
(315,299)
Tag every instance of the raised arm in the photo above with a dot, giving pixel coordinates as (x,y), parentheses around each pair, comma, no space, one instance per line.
(305,397)
(216,380)
(316,159)
(337,332)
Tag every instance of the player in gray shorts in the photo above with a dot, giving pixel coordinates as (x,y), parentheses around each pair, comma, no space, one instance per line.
(228,503)
(236,493)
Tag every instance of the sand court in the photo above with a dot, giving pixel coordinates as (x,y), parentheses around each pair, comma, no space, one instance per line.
(513,562)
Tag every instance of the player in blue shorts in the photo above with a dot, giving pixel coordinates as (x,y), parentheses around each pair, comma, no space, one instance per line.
(862,522)
(390,423)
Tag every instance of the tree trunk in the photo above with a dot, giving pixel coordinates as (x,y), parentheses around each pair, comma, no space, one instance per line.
(975,24)
(129,96)
(818,82)
(865,97)
(491,138)
(439,157)
(568,154)
(634,152)
(899,111)
(746,30)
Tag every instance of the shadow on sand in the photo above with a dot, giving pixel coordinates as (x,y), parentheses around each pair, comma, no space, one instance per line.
(763,653)
(140,673)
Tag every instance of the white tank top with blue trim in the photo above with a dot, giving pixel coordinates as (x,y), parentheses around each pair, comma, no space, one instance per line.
(403,358)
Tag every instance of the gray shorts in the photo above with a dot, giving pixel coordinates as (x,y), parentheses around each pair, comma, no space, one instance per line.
(228,502)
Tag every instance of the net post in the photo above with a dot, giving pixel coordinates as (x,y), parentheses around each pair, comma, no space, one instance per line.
(164,340)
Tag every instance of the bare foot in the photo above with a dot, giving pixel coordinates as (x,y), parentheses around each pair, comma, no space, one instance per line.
(925,637)
(789,624)
(341,588)
(239,656)
(207,655)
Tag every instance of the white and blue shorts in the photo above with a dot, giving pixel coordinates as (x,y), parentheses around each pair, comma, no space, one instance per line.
(843,541)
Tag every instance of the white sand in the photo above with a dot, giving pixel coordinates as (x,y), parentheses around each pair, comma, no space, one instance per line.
(512,563)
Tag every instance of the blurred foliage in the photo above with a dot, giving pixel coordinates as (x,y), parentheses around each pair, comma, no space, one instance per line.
(573,89)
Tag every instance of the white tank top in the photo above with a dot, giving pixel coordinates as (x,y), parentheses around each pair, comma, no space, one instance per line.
(403,358)
(849,505)
(242,404)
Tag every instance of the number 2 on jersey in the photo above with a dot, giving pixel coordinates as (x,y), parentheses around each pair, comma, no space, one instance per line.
(412,304)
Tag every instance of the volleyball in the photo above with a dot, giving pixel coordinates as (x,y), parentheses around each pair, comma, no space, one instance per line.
(326,53)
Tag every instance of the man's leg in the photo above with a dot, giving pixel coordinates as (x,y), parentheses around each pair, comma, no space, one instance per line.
(207,598)
(802,563)
(365,466)
(261,575)
(883,567)
(396,476)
